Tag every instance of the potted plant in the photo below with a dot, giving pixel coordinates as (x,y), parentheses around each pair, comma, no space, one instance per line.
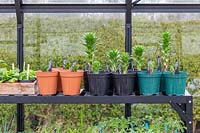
(123,80)
(27,75)
(71,80)
(149,81)
(47,80)
(165,52)
(89,42)
(175,81)
(99,81)
(138,54)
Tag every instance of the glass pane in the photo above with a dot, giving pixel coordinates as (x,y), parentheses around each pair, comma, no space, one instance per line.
(74,1)
(184,30)
(170,1)
(59,36)
(6,1)
(8,47)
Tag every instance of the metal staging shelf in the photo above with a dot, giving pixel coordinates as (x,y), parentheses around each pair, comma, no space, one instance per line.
(61,99)
(182,104)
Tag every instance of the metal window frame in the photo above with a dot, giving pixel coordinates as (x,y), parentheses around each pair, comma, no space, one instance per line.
(182,104)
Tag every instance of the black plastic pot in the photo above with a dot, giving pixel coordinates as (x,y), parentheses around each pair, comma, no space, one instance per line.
(86,82)
(99,84)
(123,84)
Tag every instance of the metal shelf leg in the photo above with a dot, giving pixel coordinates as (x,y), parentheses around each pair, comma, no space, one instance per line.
(20,117)
(127,110)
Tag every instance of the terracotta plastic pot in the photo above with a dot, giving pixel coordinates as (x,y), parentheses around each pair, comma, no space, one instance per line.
(47,82)
(59,87)
(71,82)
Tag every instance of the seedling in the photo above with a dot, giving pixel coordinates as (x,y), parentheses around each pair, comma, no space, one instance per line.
(9,75)
(27,74)
(89,41)
(114,59)
(151,66)
(125,58)
(165,49)
(96,66)
(172,70)
(74,66)
(138,56)
(45,68)
(66,64)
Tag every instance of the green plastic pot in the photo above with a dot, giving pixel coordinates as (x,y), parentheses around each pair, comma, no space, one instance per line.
(162,83)
(149,84)
(175,84)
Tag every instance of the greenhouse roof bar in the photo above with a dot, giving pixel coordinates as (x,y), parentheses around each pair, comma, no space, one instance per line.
(101,8)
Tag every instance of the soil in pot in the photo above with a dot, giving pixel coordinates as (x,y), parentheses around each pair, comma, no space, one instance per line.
(99,84)
(26,81)
(149,84)
(123,84)
(71,82)
(175,84)
(47,82)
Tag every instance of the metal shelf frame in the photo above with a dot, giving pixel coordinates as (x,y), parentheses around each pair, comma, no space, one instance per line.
(182,104)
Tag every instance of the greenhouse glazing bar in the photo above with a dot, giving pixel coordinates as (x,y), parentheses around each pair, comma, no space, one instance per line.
(101,8)
(184,110)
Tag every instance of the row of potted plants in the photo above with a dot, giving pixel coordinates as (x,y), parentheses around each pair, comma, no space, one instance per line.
(67,79)
(118,78)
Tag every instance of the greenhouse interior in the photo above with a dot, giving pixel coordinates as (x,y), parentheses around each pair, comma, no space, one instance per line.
(100,66)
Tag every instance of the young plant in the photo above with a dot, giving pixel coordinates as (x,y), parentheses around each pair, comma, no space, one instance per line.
(27,74)
(138,56)
(96,66)
(89,41)
(74,67)
(151,66)
(66,64)
(113,59)
(47,68)
(172,70)
(9,75)
(44,68)
(165,49)
(125,58)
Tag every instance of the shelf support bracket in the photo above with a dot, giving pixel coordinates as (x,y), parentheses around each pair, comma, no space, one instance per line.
(185,112)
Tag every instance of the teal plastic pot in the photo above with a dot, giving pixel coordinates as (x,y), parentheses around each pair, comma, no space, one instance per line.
(175,84)
(149,84)
(162,82)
